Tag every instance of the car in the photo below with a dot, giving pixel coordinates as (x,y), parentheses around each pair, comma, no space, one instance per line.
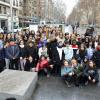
(42,22)
(1,30)
(17,30)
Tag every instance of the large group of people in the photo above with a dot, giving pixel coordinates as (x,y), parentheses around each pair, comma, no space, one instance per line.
(74,57)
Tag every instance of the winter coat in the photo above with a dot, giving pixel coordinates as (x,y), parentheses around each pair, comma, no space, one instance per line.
(66,70)
(42,64)
(23,52)
(12,51)
(31,51)
(91,72)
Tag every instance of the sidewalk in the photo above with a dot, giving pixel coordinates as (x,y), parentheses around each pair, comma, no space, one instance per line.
(54,89)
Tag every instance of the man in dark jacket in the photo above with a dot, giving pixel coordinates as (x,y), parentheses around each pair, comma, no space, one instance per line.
(2,56)
(57,58)
(12,53)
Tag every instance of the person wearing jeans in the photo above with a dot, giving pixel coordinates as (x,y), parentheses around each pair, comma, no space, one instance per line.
(22,55)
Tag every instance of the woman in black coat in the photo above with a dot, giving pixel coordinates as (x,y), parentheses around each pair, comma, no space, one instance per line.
(32,56)
(51,45)
(81,54)
(22,54)
(57,58)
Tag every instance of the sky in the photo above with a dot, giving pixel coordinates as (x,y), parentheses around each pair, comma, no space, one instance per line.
(70,4)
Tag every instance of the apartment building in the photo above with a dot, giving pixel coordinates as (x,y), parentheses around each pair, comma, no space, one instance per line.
(9,10)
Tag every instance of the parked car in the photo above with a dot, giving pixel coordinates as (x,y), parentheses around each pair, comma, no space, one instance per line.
(17,30)
(1,30)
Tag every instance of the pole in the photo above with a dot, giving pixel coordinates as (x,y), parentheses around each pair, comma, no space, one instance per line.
(11,9)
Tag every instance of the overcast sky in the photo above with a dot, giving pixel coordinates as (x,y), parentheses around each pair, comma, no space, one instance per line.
(70,4)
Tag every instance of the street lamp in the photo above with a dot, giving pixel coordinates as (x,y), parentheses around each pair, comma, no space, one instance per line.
(11,9)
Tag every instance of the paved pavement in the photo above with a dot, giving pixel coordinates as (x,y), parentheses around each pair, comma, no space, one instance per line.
(54,89)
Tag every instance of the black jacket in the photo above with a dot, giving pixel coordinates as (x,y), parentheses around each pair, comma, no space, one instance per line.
(50,46)
(55,56)
(91,72)
(31,51)
(12,52)
(96,56)
(81,55)
(23,52)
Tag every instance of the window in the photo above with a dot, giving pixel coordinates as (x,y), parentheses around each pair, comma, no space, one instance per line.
(35,12)
(17,3)
(20,3)
(15,12)
(14,2)
(35,2)
(5,12)
(0,9)
(24,14)
(7,1)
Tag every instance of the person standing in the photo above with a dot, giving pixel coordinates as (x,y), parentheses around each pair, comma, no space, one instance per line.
(57,58)
(81,54)
(12,53)
(43,51)
(68,51)
(32,56)
(90,51)
(22,54)
(2,56)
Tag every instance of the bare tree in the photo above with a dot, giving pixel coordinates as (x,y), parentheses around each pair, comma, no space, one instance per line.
(87,8)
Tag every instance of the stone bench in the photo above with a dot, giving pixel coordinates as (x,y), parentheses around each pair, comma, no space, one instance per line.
(17,84)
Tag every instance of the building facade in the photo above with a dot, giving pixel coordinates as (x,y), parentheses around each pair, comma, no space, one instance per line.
(46,10)
(9,10)
(36,10)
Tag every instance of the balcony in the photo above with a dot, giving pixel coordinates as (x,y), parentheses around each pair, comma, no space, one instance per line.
(6,1)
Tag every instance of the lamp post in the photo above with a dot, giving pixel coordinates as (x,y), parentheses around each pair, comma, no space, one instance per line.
(11,13)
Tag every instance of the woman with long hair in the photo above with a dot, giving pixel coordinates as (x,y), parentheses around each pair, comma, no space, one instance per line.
(91,73)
